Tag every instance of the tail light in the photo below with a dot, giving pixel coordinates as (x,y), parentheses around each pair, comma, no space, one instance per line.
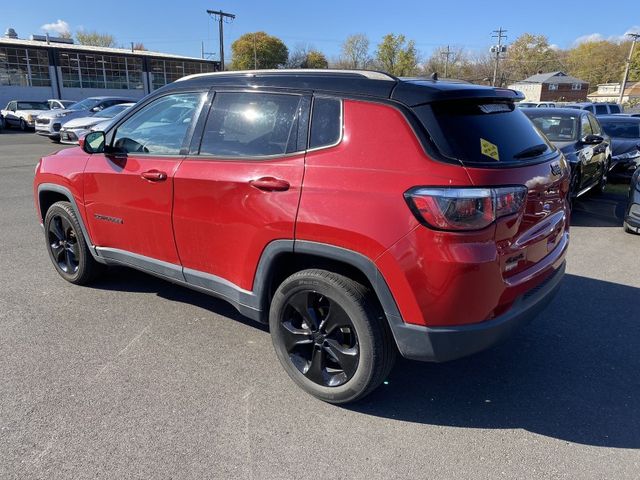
(461,209)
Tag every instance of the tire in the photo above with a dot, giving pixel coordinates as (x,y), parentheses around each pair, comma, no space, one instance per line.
(23,125)
(330,335)
(67,246)
(573,189)
(628,229)
(602,183)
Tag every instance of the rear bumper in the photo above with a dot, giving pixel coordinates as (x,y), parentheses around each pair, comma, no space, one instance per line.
(441,344)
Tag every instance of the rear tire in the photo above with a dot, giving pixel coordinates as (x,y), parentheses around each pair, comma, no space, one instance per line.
(67,247)
(330,335)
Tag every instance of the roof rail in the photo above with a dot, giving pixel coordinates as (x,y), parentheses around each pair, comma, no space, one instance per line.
(370,74)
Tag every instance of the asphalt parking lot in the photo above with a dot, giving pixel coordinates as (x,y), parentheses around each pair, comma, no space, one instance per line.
(138,378)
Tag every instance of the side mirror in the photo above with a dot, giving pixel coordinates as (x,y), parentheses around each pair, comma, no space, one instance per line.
(592,139)
(96,109)
(92,142)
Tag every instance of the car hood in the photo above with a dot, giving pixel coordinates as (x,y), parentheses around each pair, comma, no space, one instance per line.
(35,113)
(69,114)
(82,122)
(623,145)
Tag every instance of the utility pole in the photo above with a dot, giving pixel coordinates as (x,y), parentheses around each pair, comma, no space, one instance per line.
(220,16)
(635,37)
(498,49)
(446,54)
(255,53)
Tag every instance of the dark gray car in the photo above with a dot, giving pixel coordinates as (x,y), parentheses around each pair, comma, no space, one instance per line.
(625,144)
(632,215)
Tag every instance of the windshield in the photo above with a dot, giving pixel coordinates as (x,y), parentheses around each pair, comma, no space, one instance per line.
(86,104)
(483,133)
(557,128)
(67,103)
(33,106)
(625,129)
(112,111)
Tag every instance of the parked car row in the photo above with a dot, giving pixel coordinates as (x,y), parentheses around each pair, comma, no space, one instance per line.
(50,118)
(597,109)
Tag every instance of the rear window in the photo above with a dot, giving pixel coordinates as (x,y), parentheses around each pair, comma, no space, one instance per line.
(557,128)
(622,129)
(483,133)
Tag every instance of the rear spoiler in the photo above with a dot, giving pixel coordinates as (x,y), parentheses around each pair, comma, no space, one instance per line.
(418,92)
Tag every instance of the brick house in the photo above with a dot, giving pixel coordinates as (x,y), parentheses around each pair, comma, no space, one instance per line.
(552,86)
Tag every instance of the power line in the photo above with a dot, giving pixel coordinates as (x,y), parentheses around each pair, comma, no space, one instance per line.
(498,49)
(221,16)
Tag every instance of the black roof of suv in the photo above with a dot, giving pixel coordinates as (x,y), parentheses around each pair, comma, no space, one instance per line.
(409,91)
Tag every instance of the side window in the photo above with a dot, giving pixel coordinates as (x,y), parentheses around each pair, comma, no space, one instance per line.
(601,109)
(251,125)
(585,126)
(589,108)
(12,106)
(595,125)
(160,127)
(614,108)
(326,122)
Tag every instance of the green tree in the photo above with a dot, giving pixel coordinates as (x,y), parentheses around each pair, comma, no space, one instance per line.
(258,50)
(597,62)
(528,55)
(397,56)
(354,53)
(95,39)
(315,59)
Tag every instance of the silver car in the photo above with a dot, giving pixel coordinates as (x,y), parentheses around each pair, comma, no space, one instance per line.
(72,130)
(50,123)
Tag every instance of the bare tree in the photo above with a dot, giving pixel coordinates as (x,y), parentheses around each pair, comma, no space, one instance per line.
(355,52)
(96,39)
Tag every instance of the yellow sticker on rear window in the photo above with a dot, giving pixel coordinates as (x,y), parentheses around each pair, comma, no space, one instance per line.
(489,149)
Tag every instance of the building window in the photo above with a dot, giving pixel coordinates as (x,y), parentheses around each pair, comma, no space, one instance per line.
(167,71)
(117,72)
(553,86)
(26,67)
(576,86)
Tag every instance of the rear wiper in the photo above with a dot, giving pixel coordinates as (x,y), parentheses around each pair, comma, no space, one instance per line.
(532,151)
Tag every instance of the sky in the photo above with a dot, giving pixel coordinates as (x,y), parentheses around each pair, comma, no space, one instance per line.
(180,27)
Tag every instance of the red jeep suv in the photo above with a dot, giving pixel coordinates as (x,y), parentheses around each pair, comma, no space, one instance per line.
(359,214)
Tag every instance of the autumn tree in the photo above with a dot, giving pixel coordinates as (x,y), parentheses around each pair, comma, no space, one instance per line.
(258,50)
(95,39)
(397,56)
(597,62)
(354,52)
(454,67)
(315,59)
(528,55)
(139,46)
(306,57)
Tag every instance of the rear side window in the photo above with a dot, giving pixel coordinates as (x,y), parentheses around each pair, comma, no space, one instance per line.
(614,108)
(601,110)
(326,122)
(250,125)
(483,133)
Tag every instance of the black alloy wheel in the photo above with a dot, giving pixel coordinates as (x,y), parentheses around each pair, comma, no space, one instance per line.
(320,338)
(67,246)
(331,335)
(63,244)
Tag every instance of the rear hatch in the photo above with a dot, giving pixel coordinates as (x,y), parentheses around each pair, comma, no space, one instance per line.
(499,146)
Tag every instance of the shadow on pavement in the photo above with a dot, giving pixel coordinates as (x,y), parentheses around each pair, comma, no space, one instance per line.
(605,210)
(573,374)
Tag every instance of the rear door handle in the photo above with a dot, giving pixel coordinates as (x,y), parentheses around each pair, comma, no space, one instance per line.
(270,184)
(154,176)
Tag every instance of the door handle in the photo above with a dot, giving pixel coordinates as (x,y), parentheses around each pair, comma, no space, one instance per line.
(154,176)
(270,184)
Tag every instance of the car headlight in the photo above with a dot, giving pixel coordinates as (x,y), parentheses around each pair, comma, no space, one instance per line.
(626,156)
(59,115)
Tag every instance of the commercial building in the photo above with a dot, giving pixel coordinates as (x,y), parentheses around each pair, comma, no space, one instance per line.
(552,86)
(44,67)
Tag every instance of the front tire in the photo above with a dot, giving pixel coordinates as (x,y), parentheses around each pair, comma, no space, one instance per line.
(23,125)
(330,335)
(67,247)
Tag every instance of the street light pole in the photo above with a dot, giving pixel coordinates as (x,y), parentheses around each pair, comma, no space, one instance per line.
(635,37)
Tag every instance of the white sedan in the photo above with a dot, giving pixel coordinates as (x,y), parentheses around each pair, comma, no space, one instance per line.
(23,114)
